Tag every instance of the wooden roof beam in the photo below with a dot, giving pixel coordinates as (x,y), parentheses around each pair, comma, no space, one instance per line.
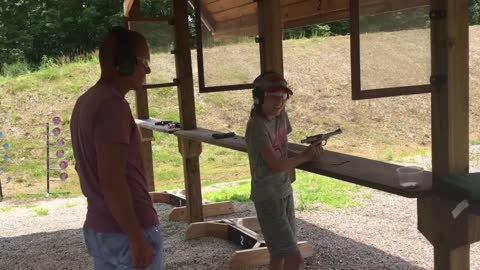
(297,13)
(309,12)
(246,24)
(127,7)
(224,5)
(207,19)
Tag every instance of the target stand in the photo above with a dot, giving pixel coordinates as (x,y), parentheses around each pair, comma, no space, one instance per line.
(4,145)
(59,143)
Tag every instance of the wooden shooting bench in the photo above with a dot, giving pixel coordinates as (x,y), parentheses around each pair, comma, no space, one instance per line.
(365,172)
(379,175)
(177,198)
(447,86)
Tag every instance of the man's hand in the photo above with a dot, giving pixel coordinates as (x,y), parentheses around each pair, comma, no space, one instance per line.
(141,252)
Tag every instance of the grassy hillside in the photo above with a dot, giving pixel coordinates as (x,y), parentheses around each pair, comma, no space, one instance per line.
(317,69)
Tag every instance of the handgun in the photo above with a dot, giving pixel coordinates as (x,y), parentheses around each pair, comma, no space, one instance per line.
(321,137)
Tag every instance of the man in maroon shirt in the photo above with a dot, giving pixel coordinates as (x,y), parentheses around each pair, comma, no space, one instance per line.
(121,227)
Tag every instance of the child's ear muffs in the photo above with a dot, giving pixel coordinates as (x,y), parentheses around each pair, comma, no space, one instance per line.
(124,58)
(258,96)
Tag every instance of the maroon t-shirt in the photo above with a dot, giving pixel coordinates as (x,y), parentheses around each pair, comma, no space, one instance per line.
(102,115)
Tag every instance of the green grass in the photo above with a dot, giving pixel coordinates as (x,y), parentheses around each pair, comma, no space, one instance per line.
(309,189)
(10,208)
(388,156)
(7,209)
(475,141)
(71,204)
(40,211)
(238,192)
(40,195)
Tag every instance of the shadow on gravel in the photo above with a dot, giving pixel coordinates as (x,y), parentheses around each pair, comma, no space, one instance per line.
(335,252)
(42,251)
(65,250)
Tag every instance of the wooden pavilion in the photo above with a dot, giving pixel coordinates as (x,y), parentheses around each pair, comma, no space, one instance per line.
(448,87)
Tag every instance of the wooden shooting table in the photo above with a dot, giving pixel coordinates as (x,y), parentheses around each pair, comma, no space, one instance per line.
(365,172)
(362,171)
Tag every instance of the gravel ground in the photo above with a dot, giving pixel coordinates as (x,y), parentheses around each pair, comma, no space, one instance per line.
(379,234)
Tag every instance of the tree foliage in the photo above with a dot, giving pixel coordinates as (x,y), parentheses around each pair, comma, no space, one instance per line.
(33,29)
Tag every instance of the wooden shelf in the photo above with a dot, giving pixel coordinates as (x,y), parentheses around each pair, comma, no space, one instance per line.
(150,124)
(205,135)
(365,172)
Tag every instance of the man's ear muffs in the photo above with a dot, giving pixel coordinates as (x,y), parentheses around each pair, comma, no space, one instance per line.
(258,96)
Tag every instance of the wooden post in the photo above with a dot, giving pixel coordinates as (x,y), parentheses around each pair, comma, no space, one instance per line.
(270,30)
(450,119)
(141,100)
(189,149)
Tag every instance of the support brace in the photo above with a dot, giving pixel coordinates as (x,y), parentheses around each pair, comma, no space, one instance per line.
(242,232)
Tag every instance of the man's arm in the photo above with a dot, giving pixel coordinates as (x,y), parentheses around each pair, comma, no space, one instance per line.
(111,164)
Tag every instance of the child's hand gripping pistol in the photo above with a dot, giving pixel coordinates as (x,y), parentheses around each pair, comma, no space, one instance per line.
(321,137)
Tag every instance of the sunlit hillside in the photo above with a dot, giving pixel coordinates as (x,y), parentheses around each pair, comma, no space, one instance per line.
(317,69)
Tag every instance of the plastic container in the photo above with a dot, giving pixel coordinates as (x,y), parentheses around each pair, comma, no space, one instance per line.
(410,176)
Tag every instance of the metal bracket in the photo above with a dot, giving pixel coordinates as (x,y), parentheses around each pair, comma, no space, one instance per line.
(173,52)
(438,79)
(438,14)
(244,240)
(259,39)
(177,201)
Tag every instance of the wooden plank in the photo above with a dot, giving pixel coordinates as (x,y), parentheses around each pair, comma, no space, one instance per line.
(261,256)
(270,29)
(355,49)
(150,124)
(159,85)
(202,229)
(209,210)
(250,223)
(210,89)
(319,9)
(452,113)
(392,91)
(205,135)
(186,100)
(127,6)
(206,2)
(450,146)
(160,197)
(234,13)
(224,5)
(205,15)
(238,25)
(365,172)
(301,13)
(141,101)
